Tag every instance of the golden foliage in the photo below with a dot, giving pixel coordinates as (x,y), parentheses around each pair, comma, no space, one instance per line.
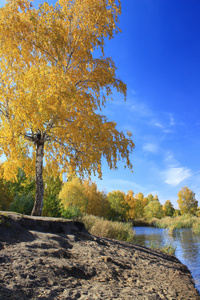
(51,82)
(73,195)
(85,196)
(97,201)
(186,201)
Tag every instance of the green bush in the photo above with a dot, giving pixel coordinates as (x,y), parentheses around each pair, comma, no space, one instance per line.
(23,204)
(72,212)
(51,207)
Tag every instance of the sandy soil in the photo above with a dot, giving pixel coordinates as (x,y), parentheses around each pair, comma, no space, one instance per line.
(47,258)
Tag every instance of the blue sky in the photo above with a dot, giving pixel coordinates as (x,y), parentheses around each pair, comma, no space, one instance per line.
(158,57)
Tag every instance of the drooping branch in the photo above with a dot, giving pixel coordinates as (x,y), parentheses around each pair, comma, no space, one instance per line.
(53,85)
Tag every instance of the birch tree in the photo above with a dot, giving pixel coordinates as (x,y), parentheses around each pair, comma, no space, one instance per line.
(186,201)
(53,87)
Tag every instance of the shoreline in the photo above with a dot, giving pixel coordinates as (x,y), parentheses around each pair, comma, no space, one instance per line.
(50,258)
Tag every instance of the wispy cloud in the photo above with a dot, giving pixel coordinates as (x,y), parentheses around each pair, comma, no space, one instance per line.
(165,124)
(175,175)
(170,160)
(171,120)
(140,108)
(122,184)
(157,124)
(150,147)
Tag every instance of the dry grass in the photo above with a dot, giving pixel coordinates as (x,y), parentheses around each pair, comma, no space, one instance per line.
(196,226)
(185,221)
(104,228)
(173,224)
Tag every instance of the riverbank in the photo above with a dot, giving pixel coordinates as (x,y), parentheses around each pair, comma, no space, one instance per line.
(185,243)
(172,223)
(48,258)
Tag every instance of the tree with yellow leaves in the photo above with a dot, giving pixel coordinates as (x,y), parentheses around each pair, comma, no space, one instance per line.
(186,201)
(153,210)
(118,206)
(98,204)
(53,86)
(131,201)
(72,195)
(140,203)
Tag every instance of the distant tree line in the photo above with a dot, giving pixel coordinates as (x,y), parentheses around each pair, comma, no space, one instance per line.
(76,197)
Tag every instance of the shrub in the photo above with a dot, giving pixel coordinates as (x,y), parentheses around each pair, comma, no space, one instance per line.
(51,206)
(72,212)
(196,226)
(104,228)
(167,249)
(185,221)
(23,204)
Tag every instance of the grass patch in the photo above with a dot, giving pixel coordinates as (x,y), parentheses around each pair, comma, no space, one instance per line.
(4,220)
(108,229)
(196,226)
(141,222)
(185,221)
(167,249)
(173,224)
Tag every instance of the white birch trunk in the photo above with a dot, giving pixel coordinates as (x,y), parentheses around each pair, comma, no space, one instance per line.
(37,209)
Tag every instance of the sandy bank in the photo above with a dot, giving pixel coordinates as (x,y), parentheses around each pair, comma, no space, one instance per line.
(48,258)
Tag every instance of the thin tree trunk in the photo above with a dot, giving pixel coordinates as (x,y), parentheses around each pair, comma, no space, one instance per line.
(37,209)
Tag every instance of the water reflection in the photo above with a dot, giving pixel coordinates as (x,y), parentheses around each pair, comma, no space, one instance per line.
(186,243)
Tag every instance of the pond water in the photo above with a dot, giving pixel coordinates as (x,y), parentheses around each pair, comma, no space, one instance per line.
(187,246)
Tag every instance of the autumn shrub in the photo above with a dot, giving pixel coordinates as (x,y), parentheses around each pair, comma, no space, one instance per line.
(109,229)
(172,223)
(184,221)
(163,223)
(178,222)
(140,222)
(154,222)
(196,226)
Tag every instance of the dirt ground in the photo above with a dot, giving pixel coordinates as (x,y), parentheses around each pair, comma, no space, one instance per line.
(48,258)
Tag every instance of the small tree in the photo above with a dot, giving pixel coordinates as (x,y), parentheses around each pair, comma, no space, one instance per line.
(53,86)
(98,204)
(141,202)
(176,213)
(52,204)
(73,195)
(6,197)
(168,208)
(150,198)
(130,200)
(198,212)
(119,207)
(186,201)
(153,210)
(23,191)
